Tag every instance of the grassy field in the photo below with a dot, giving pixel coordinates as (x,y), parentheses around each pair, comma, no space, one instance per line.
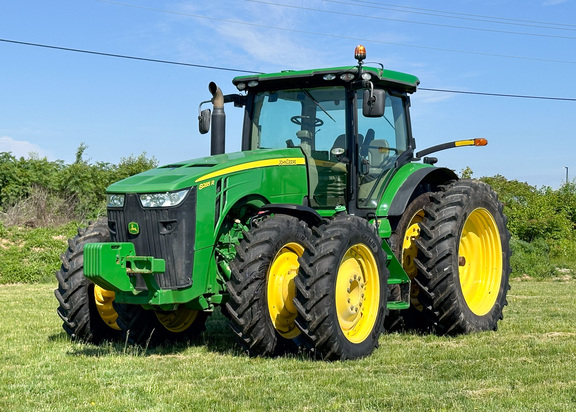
(529,364)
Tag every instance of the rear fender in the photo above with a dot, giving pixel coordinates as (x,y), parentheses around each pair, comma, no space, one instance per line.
(410,181)
(421,181)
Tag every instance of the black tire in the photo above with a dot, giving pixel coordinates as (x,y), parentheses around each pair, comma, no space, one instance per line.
(261,287)
(85,308)
(403,245)
(152,328)
(463,259)
(341,290)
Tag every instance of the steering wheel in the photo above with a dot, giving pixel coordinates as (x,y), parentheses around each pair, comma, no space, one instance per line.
(298,120)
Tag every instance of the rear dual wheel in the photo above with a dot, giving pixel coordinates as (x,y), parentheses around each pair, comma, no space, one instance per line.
(462,258)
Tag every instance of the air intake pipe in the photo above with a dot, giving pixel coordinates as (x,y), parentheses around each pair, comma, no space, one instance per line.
(218,134)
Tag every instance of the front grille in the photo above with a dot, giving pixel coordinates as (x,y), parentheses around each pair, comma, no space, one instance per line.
(166,233)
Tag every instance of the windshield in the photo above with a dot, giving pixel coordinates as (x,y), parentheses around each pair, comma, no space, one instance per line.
(290,118)
(315,121)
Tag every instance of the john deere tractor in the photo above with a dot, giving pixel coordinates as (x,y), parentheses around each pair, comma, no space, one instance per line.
(326,227)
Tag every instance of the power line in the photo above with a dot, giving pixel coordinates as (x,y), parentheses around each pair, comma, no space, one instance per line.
(356,39)
(123,56)
(203,66)
(341,13)
(465,16)
(519,96)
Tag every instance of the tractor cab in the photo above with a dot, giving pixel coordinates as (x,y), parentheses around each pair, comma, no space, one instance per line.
(351,124)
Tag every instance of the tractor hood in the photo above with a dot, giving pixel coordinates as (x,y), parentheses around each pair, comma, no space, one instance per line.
(189,173)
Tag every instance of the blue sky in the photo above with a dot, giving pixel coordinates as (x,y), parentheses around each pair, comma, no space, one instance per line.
(52,100)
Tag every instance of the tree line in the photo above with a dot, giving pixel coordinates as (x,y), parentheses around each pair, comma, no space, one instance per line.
(36,192)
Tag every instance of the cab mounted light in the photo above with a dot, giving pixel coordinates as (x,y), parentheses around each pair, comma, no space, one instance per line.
(458,143)
(347,77)
(360,53)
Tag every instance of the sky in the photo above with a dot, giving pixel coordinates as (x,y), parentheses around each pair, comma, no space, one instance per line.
(52,100)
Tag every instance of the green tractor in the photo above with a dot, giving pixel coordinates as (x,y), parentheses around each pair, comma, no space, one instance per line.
(327,228)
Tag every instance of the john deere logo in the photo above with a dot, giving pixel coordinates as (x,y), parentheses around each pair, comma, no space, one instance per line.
(133,228)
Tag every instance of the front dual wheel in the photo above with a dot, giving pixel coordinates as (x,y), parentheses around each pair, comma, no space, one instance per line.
(341,290)
(324,291)
(261,287)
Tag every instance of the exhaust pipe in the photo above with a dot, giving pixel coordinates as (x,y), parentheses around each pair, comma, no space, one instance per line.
(218,134)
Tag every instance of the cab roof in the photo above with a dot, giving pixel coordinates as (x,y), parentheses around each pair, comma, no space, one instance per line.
(325,77)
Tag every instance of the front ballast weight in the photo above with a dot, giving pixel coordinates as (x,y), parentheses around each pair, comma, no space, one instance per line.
(114,266)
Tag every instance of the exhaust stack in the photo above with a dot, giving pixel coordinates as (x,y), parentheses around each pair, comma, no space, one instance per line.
(218,134)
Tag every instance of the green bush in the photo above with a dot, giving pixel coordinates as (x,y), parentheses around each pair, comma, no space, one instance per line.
(36,192)
(531,259)
(31,255)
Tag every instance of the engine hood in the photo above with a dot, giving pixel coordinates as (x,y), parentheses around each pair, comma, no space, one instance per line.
(181,175)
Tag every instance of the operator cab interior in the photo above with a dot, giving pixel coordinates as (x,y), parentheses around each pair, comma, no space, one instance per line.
(315,120)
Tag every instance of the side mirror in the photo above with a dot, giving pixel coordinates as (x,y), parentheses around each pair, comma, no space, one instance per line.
(204,121)
(373,103)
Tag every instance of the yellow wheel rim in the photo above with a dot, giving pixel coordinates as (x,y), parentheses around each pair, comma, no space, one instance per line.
(357,293)
(480,261)
(104,299)
(281,289)
(409,249)
(409,253)
(178,320)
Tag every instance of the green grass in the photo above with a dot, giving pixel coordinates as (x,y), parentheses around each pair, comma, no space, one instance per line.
(529,364)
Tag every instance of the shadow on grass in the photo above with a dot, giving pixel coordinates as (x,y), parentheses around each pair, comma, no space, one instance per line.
(217,338)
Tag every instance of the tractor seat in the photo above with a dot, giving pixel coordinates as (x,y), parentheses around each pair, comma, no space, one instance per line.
(378,153)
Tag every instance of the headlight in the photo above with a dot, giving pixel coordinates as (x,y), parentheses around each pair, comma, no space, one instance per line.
(115,200)
(163,199)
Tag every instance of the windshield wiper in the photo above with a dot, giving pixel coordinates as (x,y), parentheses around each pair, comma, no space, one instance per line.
(318,104)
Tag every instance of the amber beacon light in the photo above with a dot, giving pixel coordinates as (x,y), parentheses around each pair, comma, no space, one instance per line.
(360,53)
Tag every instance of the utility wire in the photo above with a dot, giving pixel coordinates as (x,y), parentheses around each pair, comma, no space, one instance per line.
(341,13)
(465,16)
(203,66)
(122,56)
(519,96)
(340,36)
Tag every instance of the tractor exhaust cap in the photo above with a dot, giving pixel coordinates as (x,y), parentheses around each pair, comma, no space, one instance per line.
(218,135)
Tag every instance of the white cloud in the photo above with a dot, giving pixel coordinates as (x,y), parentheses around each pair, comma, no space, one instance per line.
(20,148)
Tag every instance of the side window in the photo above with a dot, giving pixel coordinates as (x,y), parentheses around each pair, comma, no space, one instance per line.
(390,128)
(381,140)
